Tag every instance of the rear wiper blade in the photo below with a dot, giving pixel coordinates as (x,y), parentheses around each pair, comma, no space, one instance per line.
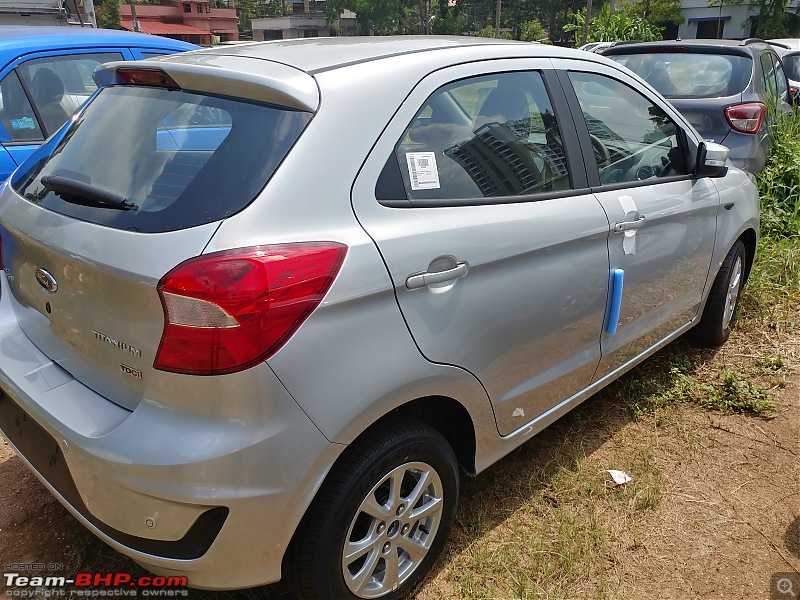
(79,192)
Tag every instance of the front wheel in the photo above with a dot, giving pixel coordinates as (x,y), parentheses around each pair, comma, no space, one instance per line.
(380,519)
(722,305)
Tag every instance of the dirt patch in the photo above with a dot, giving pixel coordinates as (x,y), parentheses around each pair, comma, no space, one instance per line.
(712,511)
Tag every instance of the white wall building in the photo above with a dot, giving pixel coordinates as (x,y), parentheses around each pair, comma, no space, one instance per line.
(706,20)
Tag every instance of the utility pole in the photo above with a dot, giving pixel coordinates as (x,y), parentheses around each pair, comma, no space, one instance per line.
(497,19)
(88,10)
(586,21)
(134,20)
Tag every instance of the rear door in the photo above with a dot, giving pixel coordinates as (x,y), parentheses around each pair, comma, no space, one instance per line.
(663,221)
(477,200)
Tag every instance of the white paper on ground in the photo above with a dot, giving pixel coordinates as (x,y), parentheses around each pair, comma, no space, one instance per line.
(619,477)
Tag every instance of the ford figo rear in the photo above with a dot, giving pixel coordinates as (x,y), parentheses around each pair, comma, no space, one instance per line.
(307,286)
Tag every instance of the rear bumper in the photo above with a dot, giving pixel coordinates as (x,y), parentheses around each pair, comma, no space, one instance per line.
(199,495)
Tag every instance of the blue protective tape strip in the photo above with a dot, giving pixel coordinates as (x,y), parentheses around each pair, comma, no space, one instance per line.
(617,277)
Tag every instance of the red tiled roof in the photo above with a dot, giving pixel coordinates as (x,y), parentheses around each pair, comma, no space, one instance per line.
(158,28)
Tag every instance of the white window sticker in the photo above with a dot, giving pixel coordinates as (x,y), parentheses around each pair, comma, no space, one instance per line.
(422,170)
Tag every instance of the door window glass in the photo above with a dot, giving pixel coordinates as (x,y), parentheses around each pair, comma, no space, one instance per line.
(632,138)
(61,84)
(489,136)
(16,112)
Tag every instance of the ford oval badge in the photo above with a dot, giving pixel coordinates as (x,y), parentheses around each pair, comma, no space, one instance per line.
(46,280)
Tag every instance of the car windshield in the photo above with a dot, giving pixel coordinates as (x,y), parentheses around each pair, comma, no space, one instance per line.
(172,159)
(690,74)
(791,63)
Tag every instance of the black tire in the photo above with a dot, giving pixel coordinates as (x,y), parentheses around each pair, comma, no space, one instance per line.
(315,564)
(722,306)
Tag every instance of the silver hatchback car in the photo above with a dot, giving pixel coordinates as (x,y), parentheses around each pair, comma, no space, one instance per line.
(262,305)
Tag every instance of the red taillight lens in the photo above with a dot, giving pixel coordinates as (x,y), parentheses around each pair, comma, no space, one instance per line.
(227,311)
(746,118)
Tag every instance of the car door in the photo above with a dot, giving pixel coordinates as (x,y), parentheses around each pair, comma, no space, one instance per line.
(477,200)
(39,91)
(663,220)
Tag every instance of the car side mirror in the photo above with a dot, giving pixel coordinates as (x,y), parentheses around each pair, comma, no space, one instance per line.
(711,160)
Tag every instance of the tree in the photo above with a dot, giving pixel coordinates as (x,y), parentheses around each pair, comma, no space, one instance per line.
(773,20)
(488,32)
(379,16)
(620,26)
(532,31)
(108,17)
(655,11)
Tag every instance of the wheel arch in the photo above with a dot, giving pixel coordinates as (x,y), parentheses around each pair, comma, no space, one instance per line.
(750,240)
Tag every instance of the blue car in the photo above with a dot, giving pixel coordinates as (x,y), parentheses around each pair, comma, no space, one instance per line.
(46,74)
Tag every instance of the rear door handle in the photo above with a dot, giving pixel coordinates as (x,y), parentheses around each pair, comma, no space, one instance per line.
(414,282)
(629,225)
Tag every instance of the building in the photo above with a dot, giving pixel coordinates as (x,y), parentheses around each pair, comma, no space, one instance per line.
(196,21)
(301,19)
(718,20)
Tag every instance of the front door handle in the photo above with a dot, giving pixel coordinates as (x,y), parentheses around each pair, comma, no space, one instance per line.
(414,282)
(629,225)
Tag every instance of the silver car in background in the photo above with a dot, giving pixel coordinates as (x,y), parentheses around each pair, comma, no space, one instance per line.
(308,284)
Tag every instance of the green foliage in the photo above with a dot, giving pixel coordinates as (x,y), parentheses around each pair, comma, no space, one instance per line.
(488,32)
(773,20)
(779,181)
(532,31)
(378,16)
(655,11)
(108,15)
(620,26)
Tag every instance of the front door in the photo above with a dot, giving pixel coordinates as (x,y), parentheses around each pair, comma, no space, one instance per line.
(663,221)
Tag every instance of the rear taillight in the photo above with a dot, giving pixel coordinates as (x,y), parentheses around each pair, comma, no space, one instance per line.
(227,311)
(746,118)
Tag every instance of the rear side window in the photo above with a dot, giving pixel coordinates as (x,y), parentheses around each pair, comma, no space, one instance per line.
(488,136)
(59,85)
(177,159)
(689,74)
(16,111)
(792,65)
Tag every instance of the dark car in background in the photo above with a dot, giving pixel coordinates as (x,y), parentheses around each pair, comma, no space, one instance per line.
(46,74)
(789,51)
(729,90)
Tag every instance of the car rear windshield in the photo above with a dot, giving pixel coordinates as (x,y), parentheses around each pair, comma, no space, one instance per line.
(792,65)
(154,160)
(689,74)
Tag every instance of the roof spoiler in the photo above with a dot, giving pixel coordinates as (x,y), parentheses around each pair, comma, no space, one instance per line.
(233,76)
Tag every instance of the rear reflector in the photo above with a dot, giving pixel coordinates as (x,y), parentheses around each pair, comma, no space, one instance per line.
(746,118)
(228,311)
(149,77)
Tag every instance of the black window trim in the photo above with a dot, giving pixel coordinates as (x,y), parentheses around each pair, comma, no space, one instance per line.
(576,169)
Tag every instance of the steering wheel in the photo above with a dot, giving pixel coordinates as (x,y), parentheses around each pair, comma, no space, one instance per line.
(600,151)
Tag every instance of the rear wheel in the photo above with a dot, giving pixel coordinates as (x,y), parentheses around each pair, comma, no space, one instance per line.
(380,519)
(722,305)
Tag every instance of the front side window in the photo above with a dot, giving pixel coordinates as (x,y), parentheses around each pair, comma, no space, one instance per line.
(59,85)
(488,136)
(16,111)
(632,138)
(153,160)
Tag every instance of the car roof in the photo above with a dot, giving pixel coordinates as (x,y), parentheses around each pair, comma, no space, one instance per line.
(314,55)
(32,38)
(729,46)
